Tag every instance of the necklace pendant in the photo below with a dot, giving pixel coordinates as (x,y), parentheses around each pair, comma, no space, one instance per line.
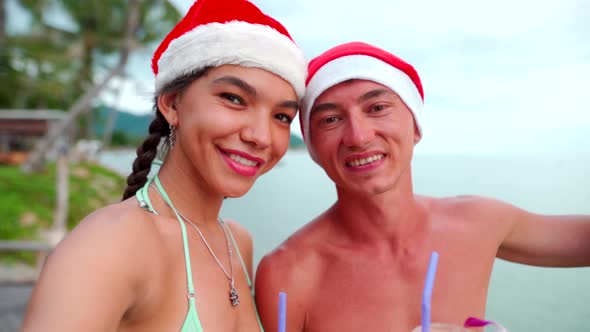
(234,297)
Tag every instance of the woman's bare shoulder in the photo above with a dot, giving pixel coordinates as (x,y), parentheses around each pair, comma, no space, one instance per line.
(240,233)
(105,257)
(122,224)
(120,233)
(244,241)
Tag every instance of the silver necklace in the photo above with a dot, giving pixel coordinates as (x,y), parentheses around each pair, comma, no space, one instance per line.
(234,297)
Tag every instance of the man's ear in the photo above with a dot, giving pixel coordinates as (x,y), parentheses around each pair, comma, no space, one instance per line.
(417,134)
(167,106)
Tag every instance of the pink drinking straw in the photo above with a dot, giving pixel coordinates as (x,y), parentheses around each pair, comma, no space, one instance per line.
(476,322)
(282,311)
(427,292)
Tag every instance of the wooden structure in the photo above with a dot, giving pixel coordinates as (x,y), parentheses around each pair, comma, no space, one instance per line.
(19,129)
(36,246)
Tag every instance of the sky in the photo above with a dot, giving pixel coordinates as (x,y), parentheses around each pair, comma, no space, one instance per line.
(499,76)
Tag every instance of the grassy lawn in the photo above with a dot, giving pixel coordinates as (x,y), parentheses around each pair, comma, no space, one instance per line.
(27,201)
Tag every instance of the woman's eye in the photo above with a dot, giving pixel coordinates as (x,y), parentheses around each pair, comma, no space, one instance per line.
(284,118)
(232,98)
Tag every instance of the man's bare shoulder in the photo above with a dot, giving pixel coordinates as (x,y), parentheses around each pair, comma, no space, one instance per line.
(290,268)
(293,267)
(469,206)
(476,215)
(299,256)
(303,245)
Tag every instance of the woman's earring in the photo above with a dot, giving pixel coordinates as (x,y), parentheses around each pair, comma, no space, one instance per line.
(171,135)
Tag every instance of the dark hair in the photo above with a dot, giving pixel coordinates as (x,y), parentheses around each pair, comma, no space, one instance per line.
(159,128)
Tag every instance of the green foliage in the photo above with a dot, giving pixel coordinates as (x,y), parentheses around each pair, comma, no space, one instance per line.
(24,210)
(10,77)
(120,139)
(52,64)
(28,200)
(22,194)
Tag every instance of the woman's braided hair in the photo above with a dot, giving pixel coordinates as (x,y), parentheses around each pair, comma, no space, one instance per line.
(159,128)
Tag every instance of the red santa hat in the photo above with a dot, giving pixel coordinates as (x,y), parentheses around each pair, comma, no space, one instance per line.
(361,61)
(218,32)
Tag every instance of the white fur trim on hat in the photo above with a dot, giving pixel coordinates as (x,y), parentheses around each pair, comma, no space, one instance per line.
(360,67)
(235,42)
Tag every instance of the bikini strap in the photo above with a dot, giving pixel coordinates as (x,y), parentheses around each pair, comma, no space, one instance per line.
(142,194)
(144,202)
(187,256)
(235,243)
(144,199)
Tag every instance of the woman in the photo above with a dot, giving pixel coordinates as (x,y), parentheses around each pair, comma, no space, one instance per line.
(228,81)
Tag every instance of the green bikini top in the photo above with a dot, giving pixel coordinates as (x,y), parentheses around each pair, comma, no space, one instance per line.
(191,322)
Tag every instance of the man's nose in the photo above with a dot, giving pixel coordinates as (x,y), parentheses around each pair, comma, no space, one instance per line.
(359,131)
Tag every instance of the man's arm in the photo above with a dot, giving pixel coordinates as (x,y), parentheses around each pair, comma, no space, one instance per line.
(544,240)
(273,275)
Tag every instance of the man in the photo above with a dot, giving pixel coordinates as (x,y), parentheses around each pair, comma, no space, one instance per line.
(361,265)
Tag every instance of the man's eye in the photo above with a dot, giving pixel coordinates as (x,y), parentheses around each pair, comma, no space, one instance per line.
(330,119)
(377,108)
(232,98)
(284,118)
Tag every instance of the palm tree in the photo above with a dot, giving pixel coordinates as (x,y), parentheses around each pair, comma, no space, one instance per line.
(103,30)
(2,22)
(95,35)
(4,73)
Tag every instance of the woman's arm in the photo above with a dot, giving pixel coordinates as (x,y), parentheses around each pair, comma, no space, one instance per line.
(89,281)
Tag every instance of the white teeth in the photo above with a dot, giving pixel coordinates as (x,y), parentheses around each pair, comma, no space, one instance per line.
(242,160)
(364,161)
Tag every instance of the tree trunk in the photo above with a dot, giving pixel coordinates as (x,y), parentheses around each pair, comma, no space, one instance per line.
(62,189)
(36,159)
(109,128)
(90,121)
(53,236)
(87,79)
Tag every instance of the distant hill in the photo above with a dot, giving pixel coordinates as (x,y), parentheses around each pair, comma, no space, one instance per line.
(296,142)
(136,126)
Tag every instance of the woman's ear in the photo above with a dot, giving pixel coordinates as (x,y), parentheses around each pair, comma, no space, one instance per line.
(167,106)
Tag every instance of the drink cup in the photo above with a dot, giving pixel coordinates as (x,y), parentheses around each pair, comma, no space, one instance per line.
(441,327)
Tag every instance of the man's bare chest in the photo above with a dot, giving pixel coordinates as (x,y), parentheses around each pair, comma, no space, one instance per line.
(377,294)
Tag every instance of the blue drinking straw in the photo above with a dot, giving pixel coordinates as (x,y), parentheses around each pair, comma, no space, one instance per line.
(427,292)
(282,311)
